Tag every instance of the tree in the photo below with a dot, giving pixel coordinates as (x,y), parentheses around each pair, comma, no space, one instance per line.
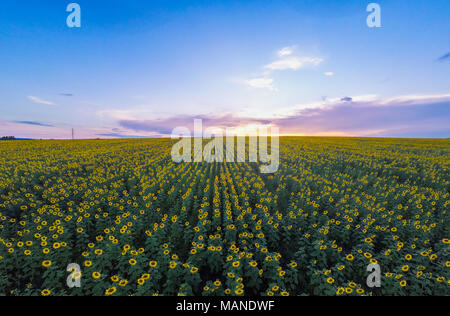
(8,138)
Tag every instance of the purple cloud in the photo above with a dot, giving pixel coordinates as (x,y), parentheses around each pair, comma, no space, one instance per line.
(165,126)
(118,135)
(405,116)
(365,119)
(347,99)
(32,123)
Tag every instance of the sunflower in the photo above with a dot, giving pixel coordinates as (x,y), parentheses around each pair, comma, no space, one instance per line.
(368,255)
(111,291)
(123,283)
(194,270)
(46,263)
(340,291)
(46,292)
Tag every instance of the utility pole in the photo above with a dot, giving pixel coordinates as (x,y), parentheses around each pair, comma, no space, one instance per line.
(73,134)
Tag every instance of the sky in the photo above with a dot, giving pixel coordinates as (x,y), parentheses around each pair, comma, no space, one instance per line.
(142,68)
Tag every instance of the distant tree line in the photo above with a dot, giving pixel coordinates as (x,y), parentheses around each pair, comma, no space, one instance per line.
(8,138)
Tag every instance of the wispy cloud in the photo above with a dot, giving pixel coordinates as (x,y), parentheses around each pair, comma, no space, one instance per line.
(286,60)
(286,51)
(33,123)
(329,74)
(417,99)
(261,83)
(294,63)
(66,94)
(38,130)
(444,58)
(39,100)
(118,135)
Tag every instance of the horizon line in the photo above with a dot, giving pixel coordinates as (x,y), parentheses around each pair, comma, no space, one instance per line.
(283,136)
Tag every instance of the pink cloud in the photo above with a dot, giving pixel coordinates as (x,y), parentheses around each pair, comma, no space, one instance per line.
(405,116)
(401,116)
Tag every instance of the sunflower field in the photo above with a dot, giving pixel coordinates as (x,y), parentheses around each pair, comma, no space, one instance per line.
(137,223)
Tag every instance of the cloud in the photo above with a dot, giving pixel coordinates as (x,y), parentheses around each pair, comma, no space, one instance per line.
(286,51)
(37,130)
(417,99)
(329,74)
(261,83)
(286,61)
(293,63)
(402,116)
(444,58)
(33,123)
(39,100)
(66,94)
(117,135)
(166,126)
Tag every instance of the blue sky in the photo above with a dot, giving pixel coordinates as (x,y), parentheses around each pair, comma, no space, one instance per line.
(139,68)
